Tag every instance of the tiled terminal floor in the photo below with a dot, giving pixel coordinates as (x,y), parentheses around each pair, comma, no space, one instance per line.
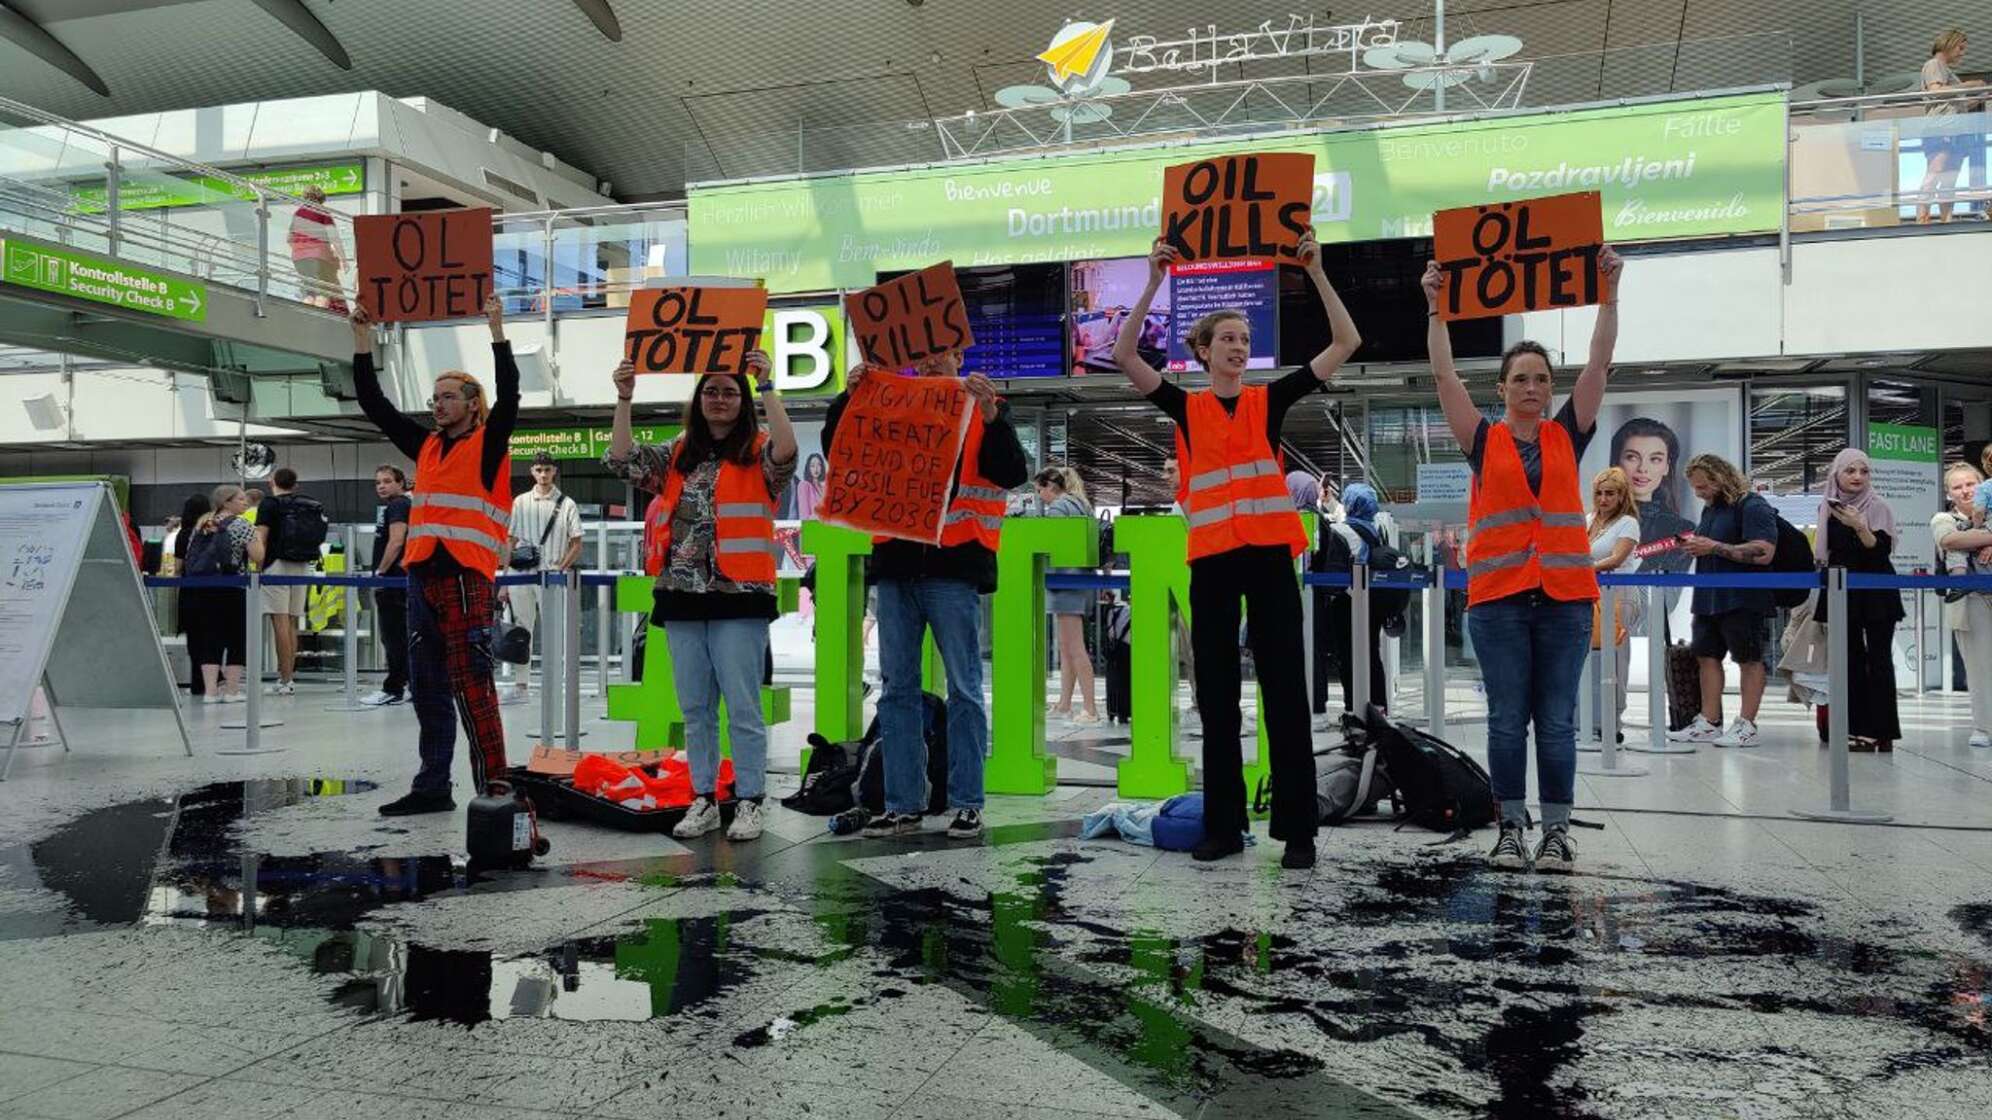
(226,937)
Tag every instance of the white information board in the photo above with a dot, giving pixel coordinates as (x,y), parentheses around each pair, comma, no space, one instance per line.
(43,532)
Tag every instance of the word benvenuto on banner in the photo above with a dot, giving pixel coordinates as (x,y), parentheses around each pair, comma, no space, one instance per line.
(435,264)
(894,455)
(1245,207)
(1507,257)
(693,329)
(911,317)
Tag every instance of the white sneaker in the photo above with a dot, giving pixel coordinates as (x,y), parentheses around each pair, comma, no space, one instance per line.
(379,699)
(511,696)
(747,820)
(1741,733)
(215,698)
(1981,740)
(234,698)
(283,688)
(1700,731)
(701,818)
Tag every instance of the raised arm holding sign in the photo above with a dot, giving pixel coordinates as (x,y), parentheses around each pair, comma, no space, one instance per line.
(1244,207)
(1508,257)
(425,266)
(693,329)
(912,318)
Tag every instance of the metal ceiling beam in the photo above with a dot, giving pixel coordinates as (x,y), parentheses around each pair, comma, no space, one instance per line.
(603,17)
(294,15)
(29,36)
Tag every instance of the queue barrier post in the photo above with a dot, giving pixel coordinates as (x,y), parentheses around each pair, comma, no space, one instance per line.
(1656,678)
(1587,687)
(604,617)
(1359,640)
(1609,765)
(570,651)
(549,630)
(349,641)
(252,722)
(1435,653)
(1840,806)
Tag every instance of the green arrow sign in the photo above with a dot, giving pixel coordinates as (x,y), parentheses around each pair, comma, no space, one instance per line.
(154,191)
(68,273)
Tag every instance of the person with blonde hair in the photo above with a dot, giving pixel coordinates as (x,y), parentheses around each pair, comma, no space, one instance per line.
(1061,493)
(1961,547)
(1614,530)
(1738,533)
(223,543)
(1944,150)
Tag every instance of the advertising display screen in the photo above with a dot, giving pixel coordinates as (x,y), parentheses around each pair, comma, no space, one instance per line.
(1104,291)
(1017,313)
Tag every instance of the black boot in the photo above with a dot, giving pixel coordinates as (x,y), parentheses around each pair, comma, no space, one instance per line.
(1217,847)
(417,803)
(1299,854)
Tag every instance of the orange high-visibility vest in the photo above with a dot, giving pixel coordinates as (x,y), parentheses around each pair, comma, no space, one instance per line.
(656,536)
(1234,493)
(453,508)
(975,512)
(1517,542)
(744,512)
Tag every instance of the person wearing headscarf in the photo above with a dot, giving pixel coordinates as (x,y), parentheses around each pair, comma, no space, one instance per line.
(1856,532)
(1357,532)
(1304,490)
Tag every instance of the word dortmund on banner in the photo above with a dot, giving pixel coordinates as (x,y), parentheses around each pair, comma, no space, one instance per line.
(424,266)
(919,315)
(1519,256)
(65,272)
(694,330)
(1249,207)
(894,455)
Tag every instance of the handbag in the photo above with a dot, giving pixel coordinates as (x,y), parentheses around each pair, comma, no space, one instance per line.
(511,642)
(1618,621)
(1952,594)
(1804,640)
(526,557)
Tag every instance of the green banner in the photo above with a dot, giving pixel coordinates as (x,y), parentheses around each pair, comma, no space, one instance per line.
(1679,169)
(1907,443)
(154,191)
(101,280)
(580,443)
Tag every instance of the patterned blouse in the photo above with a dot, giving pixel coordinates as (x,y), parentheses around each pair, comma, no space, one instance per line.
(693,565)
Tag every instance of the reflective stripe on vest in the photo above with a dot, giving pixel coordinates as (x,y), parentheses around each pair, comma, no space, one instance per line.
(452,509)
(744,548)
(1518,540)
(1236,495)
(976,508)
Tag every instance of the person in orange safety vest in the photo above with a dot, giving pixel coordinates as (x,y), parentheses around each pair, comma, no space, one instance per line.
(1244,536)
(1531,588)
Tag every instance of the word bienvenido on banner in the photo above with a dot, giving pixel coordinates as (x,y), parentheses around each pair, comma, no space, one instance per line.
(1248,207)
(693,329)
(894,456)
(1519,256)
(911,317)
(424,266)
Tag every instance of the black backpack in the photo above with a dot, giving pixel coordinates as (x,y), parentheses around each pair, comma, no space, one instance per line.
(1794,554)
(828,782)
(1438,786)
(207,553)
(845,776)
(1386,603)
(301,527)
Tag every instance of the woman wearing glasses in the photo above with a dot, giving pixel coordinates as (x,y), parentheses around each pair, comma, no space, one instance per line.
(715,597)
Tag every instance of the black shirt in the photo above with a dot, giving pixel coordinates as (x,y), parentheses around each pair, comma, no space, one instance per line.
(1844,550)
(408,434)
(1001,461)
(1280,396)
(1530,450)
(395,512)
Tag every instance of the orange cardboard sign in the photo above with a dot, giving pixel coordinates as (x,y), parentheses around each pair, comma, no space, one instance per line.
(432,264)
(916,316)
(560,762)
(1507,257)
(894,454)
(1245,207)
(693,330)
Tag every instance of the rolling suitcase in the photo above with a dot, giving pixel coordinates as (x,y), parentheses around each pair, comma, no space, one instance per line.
(1683,687)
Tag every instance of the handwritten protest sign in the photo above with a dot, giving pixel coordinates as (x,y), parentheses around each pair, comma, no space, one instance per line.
(894,454)
(915,316)
(1507,257)
(435,264)
(693,330)
(1245,207)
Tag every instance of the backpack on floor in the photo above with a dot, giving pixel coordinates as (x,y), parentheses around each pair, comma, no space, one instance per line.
(1438,786)
(1350,780)
(870,789)
(830,781)
(1684,689)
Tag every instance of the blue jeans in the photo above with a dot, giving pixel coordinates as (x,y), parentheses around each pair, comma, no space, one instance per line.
(723,657)
(952,608)
(1532,650)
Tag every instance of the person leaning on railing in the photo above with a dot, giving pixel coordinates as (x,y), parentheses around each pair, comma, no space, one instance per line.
(1964,550)
(1944,151)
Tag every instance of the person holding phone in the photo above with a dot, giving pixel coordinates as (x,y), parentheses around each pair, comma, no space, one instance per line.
(1243,537)
(1531,586)
(1856,532)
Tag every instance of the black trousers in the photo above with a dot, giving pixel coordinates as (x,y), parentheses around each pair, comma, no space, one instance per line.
(391,609)
(1341,639)
(1264,577)
(217,625)
(1871,711)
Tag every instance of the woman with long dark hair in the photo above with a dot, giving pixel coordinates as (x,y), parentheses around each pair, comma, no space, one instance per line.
(809,487)
(715,597)
(1243,537)
(186,599)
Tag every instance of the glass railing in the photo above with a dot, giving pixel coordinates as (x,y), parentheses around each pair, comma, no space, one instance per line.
(577,260)
(70,183)
(1889,160)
